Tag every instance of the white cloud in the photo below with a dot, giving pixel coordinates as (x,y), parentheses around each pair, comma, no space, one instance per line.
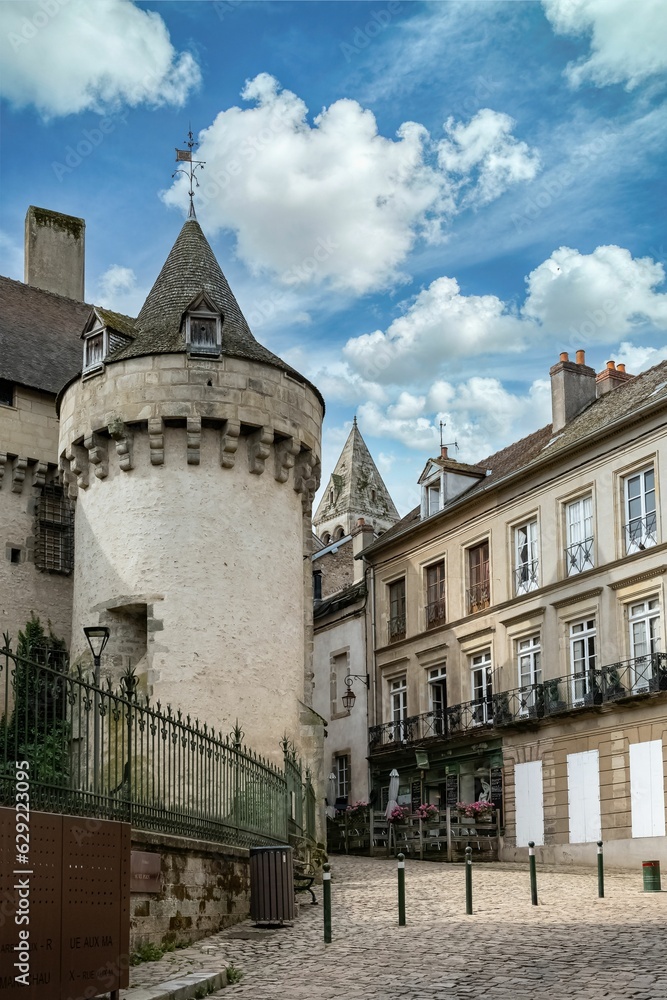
(487,155)
(637,359)
(117,289)
(439,324)
(596,297)
(627,38)
(68,56)
(333,201)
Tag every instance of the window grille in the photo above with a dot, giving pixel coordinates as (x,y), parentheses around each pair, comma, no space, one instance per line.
(54,531)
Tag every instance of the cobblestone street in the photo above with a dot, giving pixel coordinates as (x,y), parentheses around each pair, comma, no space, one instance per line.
(571,945)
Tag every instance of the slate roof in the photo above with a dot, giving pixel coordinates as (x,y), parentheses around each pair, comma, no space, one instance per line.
(542,446)
(190,269)
(350,595)
(354,476)
(40,331)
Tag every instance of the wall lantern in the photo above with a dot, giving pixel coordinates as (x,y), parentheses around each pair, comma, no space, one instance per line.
(350,697)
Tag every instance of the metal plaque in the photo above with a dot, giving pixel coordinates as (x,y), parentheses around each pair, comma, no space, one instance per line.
(95,907)
(30,907)
(65,912)
(145,872)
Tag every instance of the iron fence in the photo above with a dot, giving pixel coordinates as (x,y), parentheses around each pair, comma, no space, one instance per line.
(625,679)
(111,754)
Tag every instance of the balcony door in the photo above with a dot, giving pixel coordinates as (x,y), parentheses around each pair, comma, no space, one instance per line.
(437,690)
(645,641)
(482,692)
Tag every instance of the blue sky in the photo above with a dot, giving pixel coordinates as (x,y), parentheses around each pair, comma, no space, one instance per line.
(419,205)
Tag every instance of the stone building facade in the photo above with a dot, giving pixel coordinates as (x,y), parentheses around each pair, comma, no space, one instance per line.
(518,627)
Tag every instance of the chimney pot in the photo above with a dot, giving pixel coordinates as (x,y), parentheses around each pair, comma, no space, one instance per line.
(620,368)
(563,356)
(361,520)
(611,366)
(581,357)
(443,451)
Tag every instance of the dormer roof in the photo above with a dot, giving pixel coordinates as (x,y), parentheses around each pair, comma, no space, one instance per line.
(443,463)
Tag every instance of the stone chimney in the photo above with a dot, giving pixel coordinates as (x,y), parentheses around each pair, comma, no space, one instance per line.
(572,389)
(54,252)
(362,535)
(611,377)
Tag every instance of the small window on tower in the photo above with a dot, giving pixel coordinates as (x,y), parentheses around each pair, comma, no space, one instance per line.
(203,333)
(93,350)
(6,392)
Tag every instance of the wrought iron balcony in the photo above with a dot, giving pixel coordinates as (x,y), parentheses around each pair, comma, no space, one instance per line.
(623,680)
(478,597)
(579,556)
(396,628)
(641,533)
(435,613)
(526,577)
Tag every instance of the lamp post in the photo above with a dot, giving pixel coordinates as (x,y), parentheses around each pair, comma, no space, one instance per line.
(350,697)
(97,636)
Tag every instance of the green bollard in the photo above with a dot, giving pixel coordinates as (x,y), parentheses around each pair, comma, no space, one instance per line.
(468,879)
(401,890)
(600,871)
(533,874)
(326,895)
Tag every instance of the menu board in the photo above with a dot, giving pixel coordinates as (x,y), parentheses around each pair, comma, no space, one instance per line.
(497,789)
(452,790)
(415,794)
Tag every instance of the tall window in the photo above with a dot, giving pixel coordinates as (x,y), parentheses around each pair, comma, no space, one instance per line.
(433,498)
(435,594)
(342,772)
(398,696)
(93,350)
(644,620)
(437,690)
(582,658)
(397,610)
(579,531)
(525,558)
(203,332)
(482,693)
(478,578)
(529,655)
(640,516)
(54,531)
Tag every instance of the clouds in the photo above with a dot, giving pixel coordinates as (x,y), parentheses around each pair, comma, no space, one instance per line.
(596,297)
(68,56)
(117,289)
(487,156)
(627,39)
(335,202)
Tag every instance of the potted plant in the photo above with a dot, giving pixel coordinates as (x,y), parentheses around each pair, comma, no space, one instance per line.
(426,813)
(552,699)
(611,682)
(399,814)
(502,714)
(477,811)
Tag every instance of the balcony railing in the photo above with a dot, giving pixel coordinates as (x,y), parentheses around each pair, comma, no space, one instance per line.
(579,556)
(626,679)
(478,597)
(526,577)
(396,628)
(435,613)
(641,533)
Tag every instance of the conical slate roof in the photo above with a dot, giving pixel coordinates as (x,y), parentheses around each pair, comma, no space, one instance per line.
(190,269)
(355,489)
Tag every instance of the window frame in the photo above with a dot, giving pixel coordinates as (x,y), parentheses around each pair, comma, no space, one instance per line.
(343,771)
(647,520)
(642,664)
(398,706)
(7,393)
(480,664)
(98,363)
(526,572)
(582,680)
(579,551)
(203,349)
(529,647)
(435,607)
(54,531)
(482,600)
(396,620)
(437,706)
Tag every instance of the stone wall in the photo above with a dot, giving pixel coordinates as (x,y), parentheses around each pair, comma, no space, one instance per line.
(205,887)
(337,568)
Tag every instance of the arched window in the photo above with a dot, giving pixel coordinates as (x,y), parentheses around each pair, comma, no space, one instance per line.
(326,538)
(339,533)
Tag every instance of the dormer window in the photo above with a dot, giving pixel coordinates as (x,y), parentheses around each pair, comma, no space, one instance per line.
(94,349)
(203,328)
(432,494)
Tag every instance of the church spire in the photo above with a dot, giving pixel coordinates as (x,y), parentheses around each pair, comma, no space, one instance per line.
(355,489)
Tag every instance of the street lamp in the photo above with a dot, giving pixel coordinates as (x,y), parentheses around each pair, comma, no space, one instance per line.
(98,637)
(350,697)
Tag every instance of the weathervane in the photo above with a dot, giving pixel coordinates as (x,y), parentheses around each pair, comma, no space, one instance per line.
(449,443)
(185,156)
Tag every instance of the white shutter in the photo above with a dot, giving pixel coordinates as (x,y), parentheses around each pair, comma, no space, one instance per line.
(529,800)
(647,789)
(583,796)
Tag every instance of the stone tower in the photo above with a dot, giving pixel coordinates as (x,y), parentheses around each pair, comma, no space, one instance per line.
(355,490)
(194,454)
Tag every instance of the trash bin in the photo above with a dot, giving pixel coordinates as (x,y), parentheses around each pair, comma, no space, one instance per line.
(271,885)
(651,873)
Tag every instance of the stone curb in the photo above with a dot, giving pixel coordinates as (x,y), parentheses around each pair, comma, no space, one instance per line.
(183,987)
